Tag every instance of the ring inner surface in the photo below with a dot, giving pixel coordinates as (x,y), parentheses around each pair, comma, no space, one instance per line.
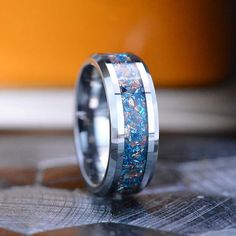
(93,125)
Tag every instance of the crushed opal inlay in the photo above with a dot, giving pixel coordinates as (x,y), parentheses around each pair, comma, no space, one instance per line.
(135,123)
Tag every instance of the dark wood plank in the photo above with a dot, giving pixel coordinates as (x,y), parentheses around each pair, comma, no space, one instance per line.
(193,191)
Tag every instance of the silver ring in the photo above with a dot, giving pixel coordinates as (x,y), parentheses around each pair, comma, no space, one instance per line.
(116,124)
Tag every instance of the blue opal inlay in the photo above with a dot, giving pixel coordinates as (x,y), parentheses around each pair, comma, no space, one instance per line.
(135,123)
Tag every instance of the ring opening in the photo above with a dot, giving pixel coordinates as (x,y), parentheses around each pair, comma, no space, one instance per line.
(92,117)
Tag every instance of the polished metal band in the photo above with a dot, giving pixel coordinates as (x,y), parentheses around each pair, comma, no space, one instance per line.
(116,124)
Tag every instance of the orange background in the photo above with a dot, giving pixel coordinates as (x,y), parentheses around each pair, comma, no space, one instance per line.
(44,42)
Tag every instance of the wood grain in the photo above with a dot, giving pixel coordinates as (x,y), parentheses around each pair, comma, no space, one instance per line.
(192,193)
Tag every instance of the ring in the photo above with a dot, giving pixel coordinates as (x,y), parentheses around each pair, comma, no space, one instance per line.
(116,124)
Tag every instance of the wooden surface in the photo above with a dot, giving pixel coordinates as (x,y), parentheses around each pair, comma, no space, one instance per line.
(192,193)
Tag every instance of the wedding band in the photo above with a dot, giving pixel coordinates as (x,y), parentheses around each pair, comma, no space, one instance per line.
(116,124)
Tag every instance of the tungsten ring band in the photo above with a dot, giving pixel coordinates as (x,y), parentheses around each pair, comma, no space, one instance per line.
(116,124)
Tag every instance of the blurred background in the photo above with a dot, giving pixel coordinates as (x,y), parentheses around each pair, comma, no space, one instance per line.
(189,47)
